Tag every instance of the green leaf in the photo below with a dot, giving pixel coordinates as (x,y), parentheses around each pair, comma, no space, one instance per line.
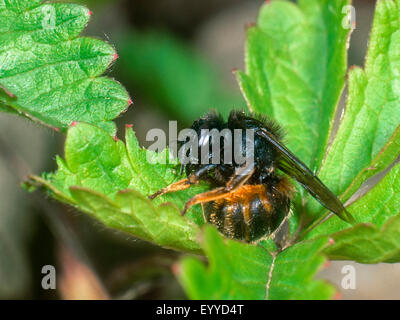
(55,74)
(367,141)
(133,213)
(296,63)
(243,271)
(99,175)
(376,206)
(293,272)
(173,76)
(367,243)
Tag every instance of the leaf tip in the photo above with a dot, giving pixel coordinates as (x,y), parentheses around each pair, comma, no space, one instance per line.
(8,93)
(250,25)
(337,296)
(352,67)
(176,269)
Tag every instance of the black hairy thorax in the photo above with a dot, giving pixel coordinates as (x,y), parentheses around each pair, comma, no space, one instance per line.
(263,154)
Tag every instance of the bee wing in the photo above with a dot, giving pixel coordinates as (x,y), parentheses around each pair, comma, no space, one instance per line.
(293,167)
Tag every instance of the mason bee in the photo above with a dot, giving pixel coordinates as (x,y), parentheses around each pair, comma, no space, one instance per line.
(249,202)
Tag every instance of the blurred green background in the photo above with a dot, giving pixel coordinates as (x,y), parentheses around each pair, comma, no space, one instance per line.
(200,43)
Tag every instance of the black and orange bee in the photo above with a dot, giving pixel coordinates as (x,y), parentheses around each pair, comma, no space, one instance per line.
(250,202)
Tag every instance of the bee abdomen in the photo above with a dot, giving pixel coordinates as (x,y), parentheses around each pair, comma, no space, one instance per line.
(247,214)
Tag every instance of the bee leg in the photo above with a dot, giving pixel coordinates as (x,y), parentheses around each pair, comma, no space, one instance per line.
(240,177)
(205,197)
(237,180)
(177,186)
(183,184)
